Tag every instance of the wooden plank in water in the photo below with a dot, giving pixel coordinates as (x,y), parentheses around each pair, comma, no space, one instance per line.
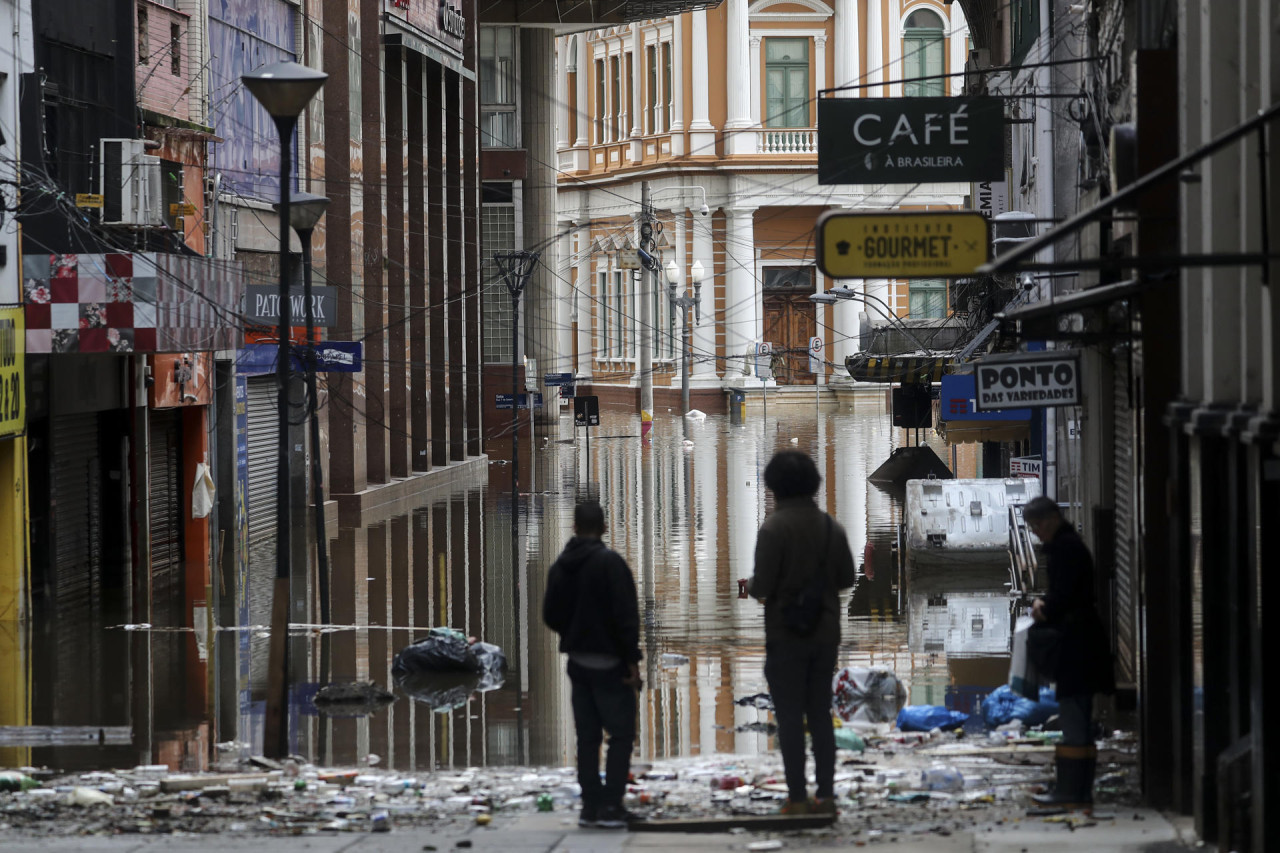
(751,823)
(65,735)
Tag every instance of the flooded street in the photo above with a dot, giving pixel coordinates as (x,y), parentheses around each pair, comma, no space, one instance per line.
(682,510)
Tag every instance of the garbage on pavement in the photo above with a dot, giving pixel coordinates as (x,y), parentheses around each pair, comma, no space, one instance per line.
(926,718)
(1003,705)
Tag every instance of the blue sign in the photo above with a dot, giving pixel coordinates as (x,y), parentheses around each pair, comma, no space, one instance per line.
(503,401)
(956,400)
(554,379)
(566,391)
(331,357)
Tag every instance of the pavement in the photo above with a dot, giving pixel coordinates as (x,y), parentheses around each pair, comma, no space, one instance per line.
(1131,830)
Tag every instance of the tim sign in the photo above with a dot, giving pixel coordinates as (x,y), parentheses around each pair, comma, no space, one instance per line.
(905,140)
(1033,380)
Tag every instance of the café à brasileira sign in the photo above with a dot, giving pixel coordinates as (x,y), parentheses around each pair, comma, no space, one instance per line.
(910,140)
(1027,380)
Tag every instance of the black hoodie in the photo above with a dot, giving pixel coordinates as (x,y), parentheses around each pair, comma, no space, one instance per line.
(591,601)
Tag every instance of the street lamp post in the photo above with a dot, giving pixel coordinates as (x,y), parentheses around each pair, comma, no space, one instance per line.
(684,303)
(304,215)
(284,89)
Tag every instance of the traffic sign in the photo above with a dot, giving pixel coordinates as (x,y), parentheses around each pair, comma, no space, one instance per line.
(586,411)
(764,354)
(909,244)
(815,354)
(503,401)
(554,379)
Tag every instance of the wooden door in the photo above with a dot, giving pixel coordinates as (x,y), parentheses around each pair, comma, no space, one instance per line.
(789,323)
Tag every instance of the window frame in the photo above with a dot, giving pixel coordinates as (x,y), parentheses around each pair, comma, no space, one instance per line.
(926,289)
(781,119)
(924,53)
(504,87)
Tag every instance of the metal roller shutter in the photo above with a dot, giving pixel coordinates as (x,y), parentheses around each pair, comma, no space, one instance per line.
(165,497)
(264,451)
(76,513)
(1125,585)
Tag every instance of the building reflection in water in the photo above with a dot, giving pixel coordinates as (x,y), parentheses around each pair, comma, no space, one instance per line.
(683,512)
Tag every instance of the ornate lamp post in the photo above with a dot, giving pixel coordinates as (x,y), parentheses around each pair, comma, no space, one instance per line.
(284,89)
(684,303)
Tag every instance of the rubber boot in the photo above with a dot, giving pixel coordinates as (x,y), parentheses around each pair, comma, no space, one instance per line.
(1074,788)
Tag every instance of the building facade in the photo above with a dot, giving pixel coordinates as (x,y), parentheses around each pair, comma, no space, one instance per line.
(715,110)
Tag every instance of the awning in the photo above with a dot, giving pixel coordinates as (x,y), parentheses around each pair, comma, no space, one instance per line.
(898,368)
(968,432)
(958,423)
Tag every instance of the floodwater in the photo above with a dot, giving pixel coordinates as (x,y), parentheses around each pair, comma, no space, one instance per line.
(682,508)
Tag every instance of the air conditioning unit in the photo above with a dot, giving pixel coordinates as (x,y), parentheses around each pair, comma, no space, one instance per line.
(130,181)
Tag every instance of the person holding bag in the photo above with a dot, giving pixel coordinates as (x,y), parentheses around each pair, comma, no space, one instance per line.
(802,561)
(1068,645)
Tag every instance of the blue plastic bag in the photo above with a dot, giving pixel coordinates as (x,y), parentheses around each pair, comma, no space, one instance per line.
(1003,705)
(926,718)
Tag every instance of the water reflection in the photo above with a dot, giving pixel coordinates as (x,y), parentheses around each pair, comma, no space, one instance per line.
(683,510)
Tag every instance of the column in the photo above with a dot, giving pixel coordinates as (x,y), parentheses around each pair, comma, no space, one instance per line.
(893,26)
(471,267)
(845,330)
(563,329)
(375,347)
(582,298)
(637,92)
(754,66)
(875,48)
(702,135)
(436,263)
(819,67)
(419,389)
(847,46)
(453,131)
(580,88)
(537,306)
(738,81)
(562,94)
(741,297)
(677,86)
(702,366)
(398,455)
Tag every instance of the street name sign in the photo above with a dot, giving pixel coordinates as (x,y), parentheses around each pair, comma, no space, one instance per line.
(503,401)
(1027,380)
(553,379)
(906,244)
(909,140)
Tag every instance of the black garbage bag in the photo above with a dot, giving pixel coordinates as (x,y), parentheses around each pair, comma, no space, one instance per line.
(440,691)
(355,699)
(438,652)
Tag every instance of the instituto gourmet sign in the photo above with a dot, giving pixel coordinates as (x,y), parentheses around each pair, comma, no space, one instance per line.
(906,140)
(1032,380)
(910,244)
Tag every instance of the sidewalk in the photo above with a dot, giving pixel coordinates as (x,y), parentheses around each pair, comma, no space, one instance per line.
(1130,830)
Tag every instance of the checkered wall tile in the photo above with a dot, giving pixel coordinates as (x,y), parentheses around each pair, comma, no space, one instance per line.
(131,303)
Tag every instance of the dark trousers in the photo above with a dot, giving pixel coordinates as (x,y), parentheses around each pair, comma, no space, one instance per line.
(1075,713)
(799,675)
(601,702)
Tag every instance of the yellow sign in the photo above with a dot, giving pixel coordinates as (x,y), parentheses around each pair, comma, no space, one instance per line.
(907,244)
(13,344)
(88,200)
(186,208)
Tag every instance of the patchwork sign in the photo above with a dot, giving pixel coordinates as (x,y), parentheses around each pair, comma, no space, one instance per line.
(130,302)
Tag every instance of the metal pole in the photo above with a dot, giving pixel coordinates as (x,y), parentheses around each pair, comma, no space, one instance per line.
(276,730)
(646,314)
(684,361)
(317,469)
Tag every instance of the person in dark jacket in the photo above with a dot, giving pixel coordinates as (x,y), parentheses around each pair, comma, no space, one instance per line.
(1069,644)
(591,603)
(796,540)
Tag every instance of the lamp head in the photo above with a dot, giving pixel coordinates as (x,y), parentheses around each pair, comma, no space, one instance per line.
(305,210)
(284,88)
(822,298)
(672,271)
(696,272)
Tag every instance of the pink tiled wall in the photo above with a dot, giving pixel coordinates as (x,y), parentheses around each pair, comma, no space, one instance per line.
(159,89)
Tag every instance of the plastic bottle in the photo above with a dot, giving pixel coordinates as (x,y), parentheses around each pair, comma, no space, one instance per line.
(12,780)
(942,779)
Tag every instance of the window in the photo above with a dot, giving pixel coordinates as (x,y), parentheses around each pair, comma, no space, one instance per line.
(927,298)
(619,315)
(788,279)
(603,318)
(498,125)
(786,80)
(144,48)
(615,91)
(498,231)
(653,119)
(175,49)
(922,40)
(667,85)
(628,118)
(1024,26)
(602,108)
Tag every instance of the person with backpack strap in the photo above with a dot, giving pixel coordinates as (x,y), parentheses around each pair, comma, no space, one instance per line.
(802,561)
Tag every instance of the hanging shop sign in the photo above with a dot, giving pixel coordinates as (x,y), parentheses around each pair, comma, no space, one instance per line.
(906,140)
(1027,380)
(262,305)
(902,245)
(1026,466)
(13,345)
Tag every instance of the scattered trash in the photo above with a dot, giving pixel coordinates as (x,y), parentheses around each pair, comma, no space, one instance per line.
(1003,705)
(867,694)
(671,661)
(11,780)
(940,778)
(763,701)
(765,845)
(90,797)
(447,650)
(926,718)
(847,738)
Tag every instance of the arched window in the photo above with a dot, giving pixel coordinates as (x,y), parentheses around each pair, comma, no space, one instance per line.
(922,39)
(786,82)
